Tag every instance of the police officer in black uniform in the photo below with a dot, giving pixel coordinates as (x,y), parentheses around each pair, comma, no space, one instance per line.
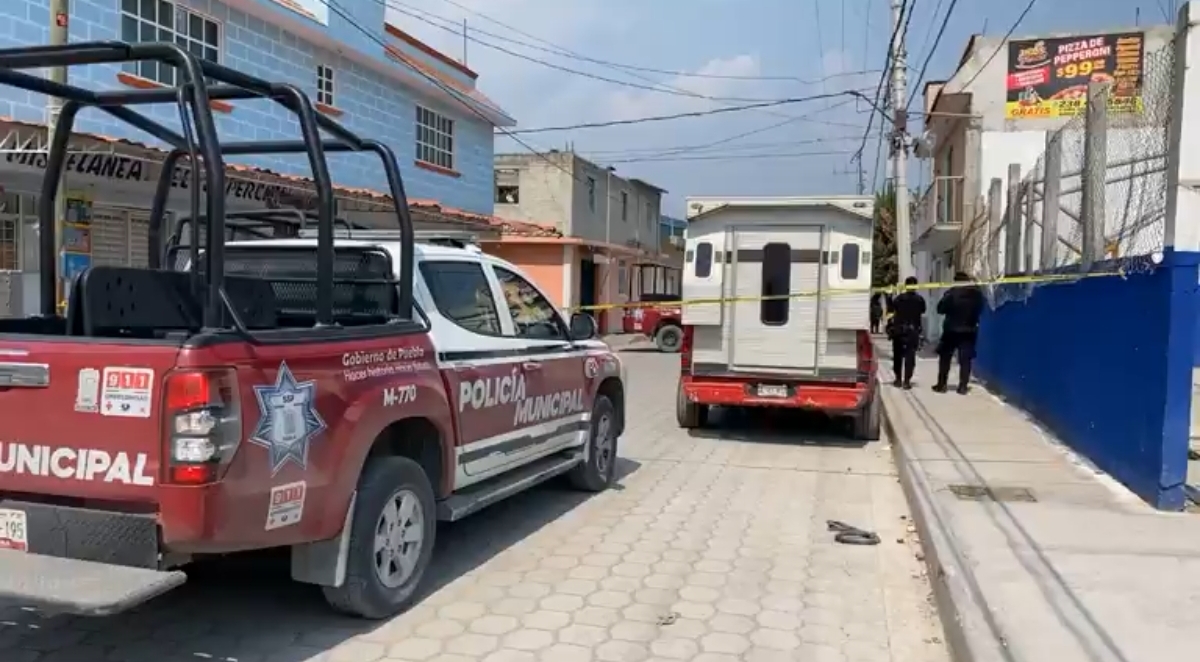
(905,331)
(962,306)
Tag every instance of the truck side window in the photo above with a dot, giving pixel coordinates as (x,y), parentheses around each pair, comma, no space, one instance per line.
(461,292)
(532,314)
(704,255)
(776,282)
(850,260)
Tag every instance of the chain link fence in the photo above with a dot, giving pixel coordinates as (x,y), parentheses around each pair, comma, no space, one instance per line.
(1093,204)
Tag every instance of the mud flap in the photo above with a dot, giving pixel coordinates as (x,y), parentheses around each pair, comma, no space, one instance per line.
(324,562)
(84,588)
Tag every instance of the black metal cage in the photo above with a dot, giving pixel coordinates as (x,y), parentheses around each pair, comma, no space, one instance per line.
(200,83)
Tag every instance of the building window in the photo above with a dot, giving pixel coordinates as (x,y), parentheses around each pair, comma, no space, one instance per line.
(776,284)
(325,85)
(158,20)
(704,260)
(508,195)
(591,193)
(624,206)
(622,278)
(850,259)
(435,138)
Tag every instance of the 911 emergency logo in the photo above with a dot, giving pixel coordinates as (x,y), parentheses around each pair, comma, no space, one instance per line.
(288,419)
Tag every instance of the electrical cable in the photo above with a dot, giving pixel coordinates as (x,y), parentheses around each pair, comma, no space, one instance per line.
(668,150)
(697,113)
(335,7)
(732,157)
(1003,42)
(659,88)
(906,7)
(932,49)
(555,49)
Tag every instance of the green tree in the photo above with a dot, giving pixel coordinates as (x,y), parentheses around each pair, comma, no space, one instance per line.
(884,271)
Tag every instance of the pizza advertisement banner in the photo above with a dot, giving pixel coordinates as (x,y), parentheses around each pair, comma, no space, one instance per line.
(1048,78)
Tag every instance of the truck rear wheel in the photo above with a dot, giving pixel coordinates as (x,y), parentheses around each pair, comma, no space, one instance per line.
(689,414)
(868,421)
(669,339)
(391,540)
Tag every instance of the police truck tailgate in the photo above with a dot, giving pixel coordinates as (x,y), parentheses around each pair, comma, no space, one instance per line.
(80,446)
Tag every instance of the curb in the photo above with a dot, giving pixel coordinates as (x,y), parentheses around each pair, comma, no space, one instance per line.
(964,619)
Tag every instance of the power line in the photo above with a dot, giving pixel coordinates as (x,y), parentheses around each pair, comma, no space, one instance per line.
(904,8)
(576,72)
(932,49)
(745,134)
(618,67)
(680,149)
(1002,43)
(734,157)
(337,9)
(555,49)
(677,116)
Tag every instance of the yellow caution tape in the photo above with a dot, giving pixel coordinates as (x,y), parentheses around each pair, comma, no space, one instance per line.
(894,289)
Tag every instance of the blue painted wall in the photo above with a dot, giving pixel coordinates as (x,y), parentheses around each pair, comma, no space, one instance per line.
(374,105)
(1106,363)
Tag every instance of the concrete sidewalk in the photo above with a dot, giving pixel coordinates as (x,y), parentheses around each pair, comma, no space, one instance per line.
(1063,563)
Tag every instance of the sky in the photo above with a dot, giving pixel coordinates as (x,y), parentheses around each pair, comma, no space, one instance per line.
(545,61)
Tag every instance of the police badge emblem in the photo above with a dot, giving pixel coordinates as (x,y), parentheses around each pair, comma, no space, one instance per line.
(288,419)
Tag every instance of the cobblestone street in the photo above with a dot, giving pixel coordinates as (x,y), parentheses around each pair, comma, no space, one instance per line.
(712,548)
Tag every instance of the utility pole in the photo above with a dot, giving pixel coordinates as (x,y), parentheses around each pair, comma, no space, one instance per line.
(60,12)
(466,37)
(900,144)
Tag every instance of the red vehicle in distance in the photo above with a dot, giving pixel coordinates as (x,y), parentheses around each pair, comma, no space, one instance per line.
(655,311)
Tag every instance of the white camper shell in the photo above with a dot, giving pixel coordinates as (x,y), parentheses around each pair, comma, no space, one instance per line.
(739,250)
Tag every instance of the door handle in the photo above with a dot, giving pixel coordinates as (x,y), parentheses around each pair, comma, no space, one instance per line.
(532,365)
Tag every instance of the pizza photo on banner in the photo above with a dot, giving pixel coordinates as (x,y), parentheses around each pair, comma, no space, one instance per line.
(1049,77)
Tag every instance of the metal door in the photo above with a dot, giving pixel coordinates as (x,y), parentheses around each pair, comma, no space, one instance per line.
(782,333)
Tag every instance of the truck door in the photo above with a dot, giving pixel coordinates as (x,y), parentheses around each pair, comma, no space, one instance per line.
(556,411)
(482,367)
(770,334)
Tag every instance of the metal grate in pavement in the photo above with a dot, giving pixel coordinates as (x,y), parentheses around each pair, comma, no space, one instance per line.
(983,493)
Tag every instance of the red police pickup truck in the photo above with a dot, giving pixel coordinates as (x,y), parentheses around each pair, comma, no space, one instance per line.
(333,398)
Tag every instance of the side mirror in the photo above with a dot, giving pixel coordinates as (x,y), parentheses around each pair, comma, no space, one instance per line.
(583,326)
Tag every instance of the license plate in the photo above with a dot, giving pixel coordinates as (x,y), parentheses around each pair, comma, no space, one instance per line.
(772,391)
(14,532)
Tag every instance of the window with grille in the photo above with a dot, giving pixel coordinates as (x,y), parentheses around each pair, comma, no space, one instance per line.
(158,20)
(435,138)
(325,85)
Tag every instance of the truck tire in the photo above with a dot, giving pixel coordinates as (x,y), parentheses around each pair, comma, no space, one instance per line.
(598,471)
(395,495)
(868,421)
(689,414)
(669,339)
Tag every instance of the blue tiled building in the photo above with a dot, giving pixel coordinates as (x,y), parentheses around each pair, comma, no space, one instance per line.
(373,77)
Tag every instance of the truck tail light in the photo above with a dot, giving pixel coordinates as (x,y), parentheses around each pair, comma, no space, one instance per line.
(203,425)
(866,356)
(685,350)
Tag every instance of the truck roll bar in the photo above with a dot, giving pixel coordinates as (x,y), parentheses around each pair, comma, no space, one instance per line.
(324,250)
(203,148)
